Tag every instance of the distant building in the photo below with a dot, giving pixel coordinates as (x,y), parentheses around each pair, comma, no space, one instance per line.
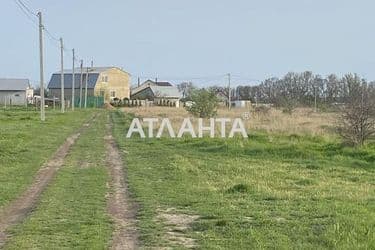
(149,83)
(241,104)
(15,92)
(160,93)
(157,83)
(151,90)
(108,82)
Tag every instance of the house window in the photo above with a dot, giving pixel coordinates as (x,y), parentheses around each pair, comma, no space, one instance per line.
(113,93)
(104,78)
(101,93)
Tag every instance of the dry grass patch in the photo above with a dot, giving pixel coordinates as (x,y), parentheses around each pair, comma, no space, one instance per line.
(303,121)
(176,225)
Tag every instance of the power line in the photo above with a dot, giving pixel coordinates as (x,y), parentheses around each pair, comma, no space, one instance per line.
(56,43)
(29,13)
(26,12)
(27,8)
(50,35)
(248,78)
(183,78)
(204,81)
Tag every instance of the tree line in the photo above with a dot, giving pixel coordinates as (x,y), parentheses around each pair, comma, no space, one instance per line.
(304,89)
(353,95)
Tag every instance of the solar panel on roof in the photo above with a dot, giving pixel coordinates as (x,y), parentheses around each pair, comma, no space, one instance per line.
(55,82)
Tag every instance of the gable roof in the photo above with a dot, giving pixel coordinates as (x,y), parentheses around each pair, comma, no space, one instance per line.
(55,82)
(149,83)
(94,73)
(14,84)
(94,70)
(157,83)
(165,91)
(152,92)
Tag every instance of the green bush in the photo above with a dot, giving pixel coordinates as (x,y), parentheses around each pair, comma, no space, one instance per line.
(204,103)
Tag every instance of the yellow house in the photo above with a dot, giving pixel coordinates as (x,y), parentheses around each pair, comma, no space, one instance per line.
(108,82)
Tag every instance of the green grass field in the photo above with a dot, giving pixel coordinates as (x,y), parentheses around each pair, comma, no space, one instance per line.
(72,211)
(265,192)
(269,191)
(26,143)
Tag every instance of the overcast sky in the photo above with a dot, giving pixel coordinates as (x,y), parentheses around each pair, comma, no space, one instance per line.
(198,40)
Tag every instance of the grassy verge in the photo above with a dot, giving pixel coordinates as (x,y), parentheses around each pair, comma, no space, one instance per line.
(268,191)
(72,211)
(26,143)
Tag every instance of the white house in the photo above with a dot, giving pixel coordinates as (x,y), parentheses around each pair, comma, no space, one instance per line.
(160,93)
(15,91)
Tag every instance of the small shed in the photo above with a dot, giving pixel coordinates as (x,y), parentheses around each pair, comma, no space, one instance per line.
(15,91)
(241,104)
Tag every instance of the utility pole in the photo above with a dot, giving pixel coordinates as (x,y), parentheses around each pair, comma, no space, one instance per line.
(73,81)
(42,112)
(229,93)
(87,79)
(364,103)
(315,98)
(80,86)
(62,99)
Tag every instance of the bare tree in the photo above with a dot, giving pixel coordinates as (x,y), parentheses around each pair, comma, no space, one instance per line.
(186,88)
(333,88)
(357,121)
(299,89)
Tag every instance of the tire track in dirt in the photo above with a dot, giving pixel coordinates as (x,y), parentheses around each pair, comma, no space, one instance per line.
(17,210)
(120,206)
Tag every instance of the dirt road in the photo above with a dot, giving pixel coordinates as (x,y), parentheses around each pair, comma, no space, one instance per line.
(16,211)
(120,205)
